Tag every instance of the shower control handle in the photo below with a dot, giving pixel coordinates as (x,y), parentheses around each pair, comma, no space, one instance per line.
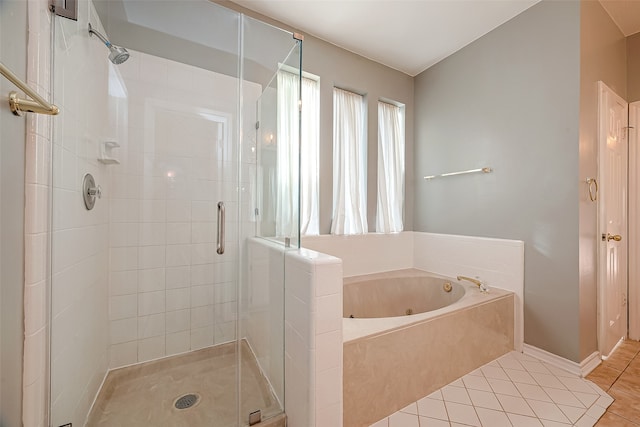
(95,191)
(220,242)
(90,191)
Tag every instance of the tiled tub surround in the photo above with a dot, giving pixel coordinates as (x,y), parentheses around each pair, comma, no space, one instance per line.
(313,339)
(498,262)
(515,390)
(396,361)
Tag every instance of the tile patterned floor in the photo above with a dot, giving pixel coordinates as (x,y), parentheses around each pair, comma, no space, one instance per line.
(515,390)
(619,376)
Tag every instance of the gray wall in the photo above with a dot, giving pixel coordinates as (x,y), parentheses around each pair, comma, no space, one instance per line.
(510,101)
(13,53)
(338,67)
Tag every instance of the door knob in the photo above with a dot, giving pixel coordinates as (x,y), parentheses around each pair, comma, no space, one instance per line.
(608,237)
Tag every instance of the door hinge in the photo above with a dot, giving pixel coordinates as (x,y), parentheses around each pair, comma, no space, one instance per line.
(258,124)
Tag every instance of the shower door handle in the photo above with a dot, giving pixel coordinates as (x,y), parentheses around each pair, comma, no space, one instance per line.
(220,242)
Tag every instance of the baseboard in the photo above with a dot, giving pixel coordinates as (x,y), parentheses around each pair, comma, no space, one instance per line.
(581,369)
(590,363)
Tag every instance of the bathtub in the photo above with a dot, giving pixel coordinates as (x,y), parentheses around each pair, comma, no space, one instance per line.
(392,358)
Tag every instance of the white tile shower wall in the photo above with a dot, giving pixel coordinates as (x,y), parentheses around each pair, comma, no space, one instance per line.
(262,307)
(79,244)
(37,232)
(384,252)
(498,262)
(313,339)
(169,291)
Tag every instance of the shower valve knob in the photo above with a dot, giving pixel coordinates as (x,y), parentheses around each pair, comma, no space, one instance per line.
(95,191)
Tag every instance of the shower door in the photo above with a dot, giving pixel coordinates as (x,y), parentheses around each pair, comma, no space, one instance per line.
(267,182)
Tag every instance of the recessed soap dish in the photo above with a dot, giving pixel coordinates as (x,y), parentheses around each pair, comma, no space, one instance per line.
(106,153)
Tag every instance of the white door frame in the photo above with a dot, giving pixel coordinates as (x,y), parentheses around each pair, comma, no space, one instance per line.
(611,299)
(634,221)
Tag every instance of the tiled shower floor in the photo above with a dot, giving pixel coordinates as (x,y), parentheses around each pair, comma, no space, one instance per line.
(144,395)
(515,390)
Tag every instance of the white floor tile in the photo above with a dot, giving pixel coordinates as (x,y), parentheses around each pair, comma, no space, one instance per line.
(587,399)
(548,411)
(520,376)
(484,399)
(586,421)
(494,372)
(534,392)
(596,411)
(401,419)
(463,414)
(572,413)
(548,380)
(563,397)
(503,387)
(410,409)
(515,390)
(508,362)
(432,408)
(436,395)
(604,401)
(456,395)
(489,417)
(576,384)
(522,421)
(534,366)
(548,423)
(432,422)
(381,423)
(476,383)
(515,405)
(559,372)
(457,383)
(476,373)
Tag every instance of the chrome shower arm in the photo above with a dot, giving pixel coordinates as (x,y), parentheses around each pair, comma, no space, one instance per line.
(100,36)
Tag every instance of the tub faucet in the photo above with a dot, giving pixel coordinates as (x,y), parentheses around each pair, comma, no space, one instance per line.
(477,282)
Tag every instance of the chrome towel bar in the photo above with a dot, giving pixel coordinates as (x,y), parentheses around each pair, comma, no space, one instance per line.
(21,105)
(442,175)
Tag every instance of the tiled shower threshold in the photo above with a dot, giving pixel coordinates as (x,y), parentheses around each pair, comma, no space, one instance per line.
(514,390)
(144,395)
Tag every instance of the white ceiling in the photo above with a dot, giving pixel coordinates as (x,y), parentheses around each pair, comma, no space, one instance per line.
(412,35)
(408,35)
(625,13)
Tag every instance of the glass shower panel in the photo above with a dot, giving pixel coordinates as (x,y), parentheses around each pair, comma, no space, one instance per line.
(270,177)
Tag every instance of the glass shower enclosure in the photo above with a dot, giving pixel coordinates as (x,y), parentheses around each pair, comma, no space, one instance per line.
(167,296)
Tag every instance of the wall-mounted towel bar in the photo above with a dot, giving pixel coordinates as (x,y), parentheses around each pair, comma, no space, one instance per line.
(442,175)
(21,105)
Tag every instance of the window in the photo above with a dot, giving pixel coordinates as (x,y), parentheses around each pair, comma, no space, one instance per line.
(288,152)
(390,168)
(349,163)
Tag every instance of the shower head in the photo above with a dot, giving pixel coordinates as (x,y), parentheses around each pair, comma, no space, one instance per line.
(117,54)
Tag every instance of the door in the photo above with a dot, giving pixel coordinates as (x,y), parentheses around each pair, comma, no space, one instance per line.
(612,206)
(634,222)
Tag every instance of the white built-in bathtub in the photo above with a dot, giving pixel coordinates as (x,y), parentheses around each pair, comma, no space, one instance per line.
(379,302)
(392,358)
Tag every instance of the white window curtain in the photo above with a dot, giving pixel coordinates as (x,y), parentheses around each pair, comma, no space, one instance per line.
(349,164)
(390,168)
(291,156)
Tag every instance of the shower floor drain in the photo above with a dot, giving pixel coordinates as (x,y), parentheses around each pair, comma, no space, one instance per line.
(187,401)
